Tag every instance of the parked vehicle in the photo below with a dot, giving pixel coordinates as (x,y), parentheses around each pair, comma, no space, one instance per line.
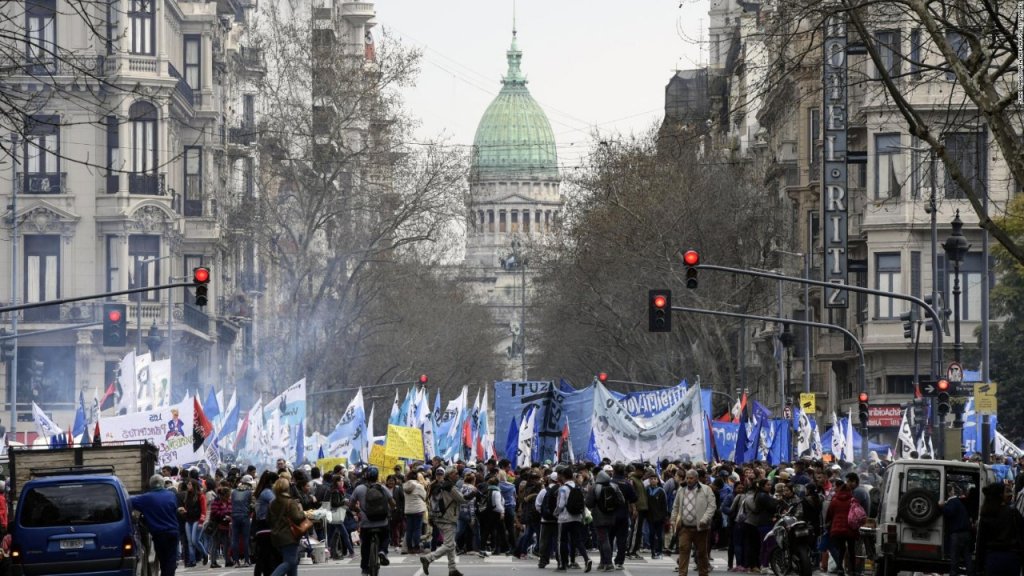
(78,519)
(908,533)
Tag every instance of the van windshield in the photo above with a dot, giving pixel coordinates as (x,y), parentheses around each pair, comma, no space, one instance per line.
(70,504)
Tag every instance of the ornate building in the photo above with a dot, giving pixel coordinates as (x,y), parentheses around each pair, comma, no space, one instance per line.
(514,204)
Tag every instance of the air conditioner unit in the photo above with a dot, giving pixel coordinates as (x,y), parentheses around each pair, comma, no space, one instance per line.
(42,184)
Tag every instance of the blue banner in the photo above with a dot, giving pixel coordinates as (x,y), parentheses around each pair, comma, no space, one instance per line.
(725,439)
(512,400)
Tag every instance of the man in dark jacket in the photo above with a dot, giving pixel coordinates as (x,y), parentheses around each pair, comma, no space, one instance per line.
(445,500)
(620,532)
(604,508)
(159,508)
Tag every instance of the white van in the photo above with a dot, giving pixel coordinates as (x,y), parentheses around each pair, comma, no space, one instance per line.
(908,533)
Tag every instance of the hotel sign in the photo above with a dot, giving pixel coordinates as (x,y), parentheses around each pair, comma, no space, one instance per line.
(835,190)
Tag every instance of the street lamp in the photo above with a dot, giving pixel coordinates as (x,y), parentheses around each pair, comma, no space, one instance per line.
(956,247)
(519,261)
(154,339)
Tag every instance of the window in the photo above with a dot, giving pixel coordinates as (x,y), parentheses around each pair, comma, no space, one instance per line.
(526,220)
(113,263)
(193,76)
(967,150)
(960,46)
(71,505)
(42,275)
(142,248)
(915,273)
(249,177)
(113,155)
(971,270)
(515,221)
(814,144)
(249,110)
(899,385)
(915,53)
(144,149)
(921,172)
(501,221)
(42,155)
(142,30)
(888,166)
(888,46)
(193,181)
(41,34)
(887,279)
(192,261)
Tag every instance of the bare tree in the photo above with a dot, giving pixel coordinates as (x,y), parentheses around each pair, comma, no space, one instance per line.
(346,208)
(636,210)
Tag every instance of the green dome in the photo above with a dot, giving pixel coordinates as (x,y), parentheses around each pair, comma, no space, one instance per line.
(514,140)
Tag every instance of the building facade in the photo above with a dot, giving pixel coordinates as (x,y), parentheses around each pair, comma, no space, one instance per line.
(515,204)
(136,138)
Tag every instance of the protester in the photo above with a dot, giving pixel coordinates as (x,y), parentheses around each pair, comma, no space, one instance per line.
(692,513)
(445,502)
(285,511)
(159,509)
(415,507)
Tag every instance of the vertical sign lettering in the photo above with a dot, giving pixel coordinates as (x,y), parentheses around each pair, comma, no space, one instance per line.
(835,191)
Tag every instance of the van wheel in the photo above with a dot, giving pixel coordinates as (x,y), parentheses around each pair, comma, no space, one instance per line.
(918,507)
(885,567)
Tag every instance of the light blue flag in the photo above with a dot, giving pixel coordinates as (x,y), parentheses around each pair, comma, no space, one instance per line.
(320,454)
(210,407)
(230,424)
(300,445)
(592,454)
(79,426)
(512,446)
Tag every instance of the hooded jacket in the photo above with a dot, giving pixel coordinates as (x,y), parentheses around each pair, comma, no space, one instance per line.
(602,482)
(415,497)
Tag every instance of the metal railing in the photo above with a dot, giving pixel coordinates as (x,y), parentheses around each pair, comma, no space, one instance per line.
(43,183)
(195,318)
(244,134)
(182,87)
(149,184)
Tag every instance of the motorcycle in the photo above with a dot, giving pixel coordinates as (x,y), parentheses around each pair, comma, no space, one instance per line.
(793,545)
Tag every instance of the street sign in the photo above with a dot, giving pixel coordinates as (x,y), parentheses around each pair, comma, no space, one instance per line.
(955,372)
(985,401)
(807,403)
(928,388)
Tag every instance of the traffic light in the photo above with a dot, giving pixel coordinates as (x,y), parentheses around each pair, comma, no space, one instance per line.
(691,258)
(908,319)
(6,347)
(200,278)
(944,389)
(659,310)
(863,407)
(115,325)
(602,377)
(941,309)
(919,411)
(423,380)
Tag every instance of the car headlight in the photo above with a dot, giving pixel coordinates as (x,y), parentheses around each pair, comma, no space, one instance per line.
(801,531)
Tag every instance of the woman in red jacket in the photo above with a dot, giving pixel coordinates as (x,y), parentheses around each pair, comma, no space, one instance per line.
(842,536)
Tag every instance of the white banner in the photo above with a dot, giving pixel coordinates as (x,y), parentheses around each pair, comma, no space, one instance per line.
(168,428)
(676,432)
(157,391)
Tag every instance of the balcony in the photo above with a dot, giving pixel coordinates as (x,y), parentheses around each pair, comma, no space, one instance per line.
(147,184)
(244,135)
(195,318)
(251,59)
(73,313)
(66,66)
(358,12)
(43,183)
(132,63)
(182,89)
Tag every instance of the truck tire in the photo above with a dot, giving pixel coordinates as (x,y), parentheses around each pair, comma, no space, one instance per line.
(805,568)
(918,507)
(885,567)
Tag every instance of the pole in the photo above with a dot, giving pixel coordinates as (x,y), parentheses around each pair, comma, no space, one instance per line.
(850,335)
(986,434)
(958,346)
(13,366)
(522,316)
(936,331)
(138,307)
(783,374)
(807,316)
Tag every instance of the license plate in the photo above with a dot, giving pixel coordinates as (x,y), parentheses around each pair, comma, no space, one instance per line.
(72,544)
(921,534)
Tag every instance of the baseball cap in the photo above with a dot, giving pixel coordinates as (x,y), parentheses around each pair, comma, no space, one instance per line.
(608,468)
(553,476)
(246,480)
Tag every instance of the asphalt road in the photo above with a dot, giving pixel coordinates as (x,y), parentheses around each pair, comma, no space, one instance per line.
(471,565)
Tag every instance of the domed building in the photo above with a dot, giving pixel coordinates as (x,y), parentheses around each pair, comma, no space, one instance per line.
(514,204)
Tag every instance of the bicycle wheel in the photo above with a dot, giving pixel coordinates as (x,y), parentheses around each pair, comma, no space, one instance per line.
(374,558)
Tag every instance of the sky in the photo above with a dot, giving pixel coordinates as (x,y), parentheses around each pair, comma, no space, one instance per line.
(591,64)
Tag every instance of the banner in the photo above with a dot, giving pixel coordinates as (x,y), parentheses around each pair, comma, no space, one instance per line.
(725,439)
(327,464)
(404,442)
(348,438)
(168,428)
(675,433)
(291,403)
(513,400)
(381,460)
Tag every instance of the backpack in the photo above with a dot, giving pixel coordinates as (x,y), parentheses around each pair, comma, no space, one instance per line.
(856,516)
(530,508)
(337,499)
(437,505)
(609,498)
(377,506)
(574,503)
(548,505)
(486,499)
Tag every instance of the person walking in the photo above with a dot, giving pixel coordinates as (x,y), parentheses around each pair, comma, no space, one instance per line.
(285,511)
(415,508)
(636,537)
(241,520)
(220,520)
(445,501)
(657,513)
(375,505)
(604,500)
(999,533)
(159,508)
(546,503)
(841,534)
(569,511)
(692,513)
(620,534)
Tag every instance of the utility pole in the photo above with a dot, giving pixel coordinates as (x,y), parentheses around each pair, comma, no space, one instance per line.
(936,299)
(13,397)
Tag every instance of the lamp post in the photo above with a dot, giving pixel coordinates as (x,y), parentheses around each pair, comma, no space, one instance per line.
(806,257)
(519,261)
(956,247)
(787,340)
(153,339)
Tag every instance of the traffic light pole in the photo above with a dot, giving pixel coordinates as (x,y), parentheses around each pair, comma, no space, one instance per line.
(851,335)
(5,337)
(29,305)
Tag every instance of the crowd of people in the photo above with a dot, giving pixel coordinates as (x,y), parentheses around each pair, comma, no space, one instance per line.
(548,513)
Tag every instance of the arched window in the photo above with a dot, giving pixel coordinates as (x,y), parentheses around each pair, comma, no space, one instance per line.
(143,117)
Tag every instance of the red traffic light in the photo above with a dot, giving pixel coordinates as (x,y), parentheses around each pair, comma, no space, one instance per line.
(863,398)
(660,301)
(201,275)
(691,258)
(114,316)
(942,385)
(423,378)
(602,377)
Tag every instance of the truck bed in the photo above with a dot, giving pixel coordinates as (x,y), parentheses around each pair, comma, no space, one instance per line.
(132,462)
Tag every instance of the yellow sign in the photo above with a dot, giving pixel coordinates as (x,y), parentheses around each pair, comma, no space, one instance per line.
(328,464)
(404,442)
(379,459)
(985,401)
(808,403)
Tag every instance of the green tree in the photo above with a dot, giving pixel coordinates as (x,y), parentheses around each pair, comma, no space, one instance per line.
(1007,337)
